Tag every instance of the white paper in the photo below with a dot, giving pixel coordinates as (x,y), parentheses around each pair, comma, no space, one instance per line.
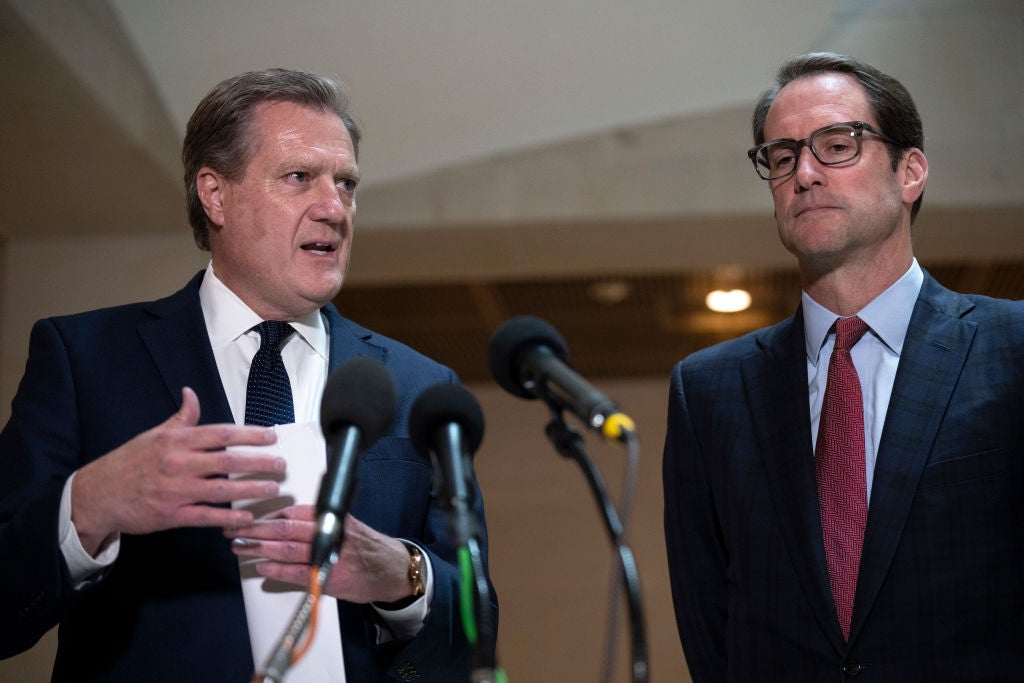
(270,606)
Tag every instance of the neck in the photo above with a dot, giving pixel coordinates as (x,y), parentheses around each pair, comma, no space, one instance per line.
(850,287)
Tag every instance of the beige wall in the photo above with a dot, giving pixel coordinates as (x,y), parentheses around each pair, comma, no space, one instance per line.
(550,559)
(54,276)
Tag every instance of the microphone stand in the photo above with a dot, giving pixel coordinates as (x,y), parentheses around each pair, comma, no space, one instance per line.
(569,444)
(281,660)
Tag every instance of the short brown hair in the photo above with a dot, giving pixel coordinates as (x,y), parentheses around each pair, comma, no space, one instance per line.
(217,134)
(891,104)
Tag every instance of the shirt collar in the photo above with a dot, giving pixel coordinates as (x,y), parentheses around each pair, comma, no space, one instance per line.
(228,317)
(888,314)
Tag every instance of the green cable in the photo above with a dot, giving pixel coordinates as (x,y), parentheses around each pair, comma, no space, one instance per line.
(468,583)
(466,591)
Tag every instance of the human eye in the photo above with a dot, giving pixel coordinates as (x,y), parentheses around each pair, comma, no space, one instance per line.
(835,145)
(347,184)
(780,157)
(297,176)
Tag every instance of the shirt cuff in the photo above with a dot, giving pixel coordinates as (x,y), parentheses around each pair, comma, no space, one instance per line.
(83,567)
(407,621)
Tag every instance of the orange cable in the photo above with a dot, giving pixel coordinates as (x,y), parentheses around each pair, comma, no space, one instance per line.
(314,593)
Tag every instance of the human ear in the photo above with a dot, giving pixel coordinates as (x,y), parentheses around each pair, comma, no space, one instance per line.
(210,186)
(914,168)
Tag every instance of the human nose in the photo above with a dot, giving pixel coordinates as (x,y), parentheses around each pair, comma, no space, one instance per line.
(329,206)
(808,170)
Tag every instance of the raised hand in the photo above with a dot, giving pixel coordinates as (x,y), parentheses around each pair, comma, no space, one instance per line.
(167,477)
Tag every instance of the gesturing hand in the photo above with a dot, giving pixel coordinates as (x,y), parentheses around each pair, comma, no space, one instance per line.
(372,567)
(167,476)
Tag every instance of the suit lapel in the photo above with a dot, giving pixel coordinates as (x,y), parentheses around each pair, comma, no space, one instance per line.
(177,339)
(349,340)
(180,346)
(776,386)
(933,357)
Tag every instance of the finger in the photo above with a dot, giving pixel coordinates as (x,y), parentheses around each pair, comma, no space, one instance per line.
(220,436)
(242,462)
(201,465)
(279,551)
(305,513)
(275,530)
(220,490)
(208,516)
(188,414)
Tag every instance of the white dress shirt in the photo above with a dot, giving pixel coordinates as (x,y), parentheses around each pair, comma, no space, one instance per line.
(229,323)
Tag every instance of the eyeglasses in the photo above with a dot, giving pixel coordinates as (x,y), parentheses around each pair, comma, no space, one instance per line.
(831,145)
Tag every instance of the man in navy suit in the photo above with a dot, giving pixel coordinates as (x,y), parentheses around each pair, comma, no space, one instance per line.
(115,515)
(914,573)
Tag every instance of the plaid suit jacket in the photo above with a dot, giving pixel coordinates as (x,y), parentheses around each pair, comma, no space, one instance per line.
(940,595)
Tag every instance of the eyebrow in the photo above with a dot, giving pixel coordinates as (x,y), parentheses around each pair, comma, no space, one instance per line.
(301,161)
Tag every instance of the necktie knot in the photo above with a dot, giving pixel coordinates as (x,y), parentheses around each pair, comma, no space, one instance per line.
(272,333)
(849,331)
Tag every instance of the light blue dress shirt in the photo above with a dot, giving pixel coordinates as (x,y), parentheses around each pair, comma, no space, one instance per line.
(876,356)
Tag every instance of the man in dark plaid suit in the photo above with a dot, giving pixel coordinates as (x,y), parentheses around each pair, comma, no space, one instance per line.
(937,593)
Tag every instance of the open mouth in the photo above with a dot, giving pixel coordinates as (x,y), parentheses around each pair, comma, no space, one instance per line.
(319,248)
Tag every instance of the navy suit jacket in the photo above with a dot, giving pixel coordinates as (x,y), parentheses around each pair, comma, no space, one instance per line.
(170,608)
(940,593)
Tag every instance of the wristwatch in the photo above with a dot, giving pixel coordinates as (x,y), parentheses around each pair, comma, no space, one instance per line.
(415,570)
(415,574)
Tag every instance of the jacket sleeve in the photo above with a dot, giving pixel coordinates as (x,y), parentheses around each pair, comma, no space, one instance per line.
(697,556)
(39,450)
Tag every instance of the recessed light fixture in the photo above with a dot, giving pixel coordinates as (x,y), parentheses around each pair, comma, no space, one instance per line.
(732,301)
(610,292)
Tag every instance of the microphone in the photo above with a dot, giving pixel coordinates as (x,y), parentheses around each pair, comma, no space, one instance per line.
(447,425)
(357,408)
(529,359)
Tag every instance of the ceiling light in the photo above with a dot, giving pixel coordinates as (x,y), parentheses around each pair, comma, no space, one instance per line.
(731,301)
(610,292)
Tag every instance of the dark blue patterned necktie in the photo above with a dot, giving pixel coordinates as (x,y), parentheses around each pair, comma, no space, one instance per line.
(268,396)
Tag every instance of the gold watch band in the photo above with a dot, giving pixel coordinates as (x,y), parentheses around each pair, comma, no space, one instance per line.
(416,570)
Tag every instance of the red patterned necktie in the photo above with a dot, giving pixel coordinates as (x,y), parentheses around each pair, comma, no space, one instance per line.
(839,467)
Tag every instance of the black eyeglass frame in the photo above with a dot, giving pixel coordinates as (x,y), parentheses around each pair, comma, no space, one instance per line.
(797,145)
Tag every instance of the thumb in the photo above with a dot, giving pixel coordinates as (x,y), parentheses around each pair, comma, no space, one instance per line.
(188,414)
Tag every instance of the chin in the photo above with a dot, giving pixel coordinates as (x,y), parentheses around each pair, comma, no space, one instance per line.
(327,291)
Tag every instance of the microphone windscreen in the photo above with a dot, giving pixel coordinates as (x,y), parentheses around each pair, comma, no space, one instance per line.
(442,404)
(358,393)
(511,340)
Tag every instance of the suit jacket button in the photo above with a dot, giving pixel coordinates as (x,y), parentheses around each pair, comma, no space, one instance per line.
(408,672)
(32,605)
(852,668)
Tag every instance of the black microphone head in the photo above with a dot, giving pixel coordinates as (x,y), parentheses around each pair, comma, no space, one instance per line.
(511,340)
(359,393)
(441,404)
